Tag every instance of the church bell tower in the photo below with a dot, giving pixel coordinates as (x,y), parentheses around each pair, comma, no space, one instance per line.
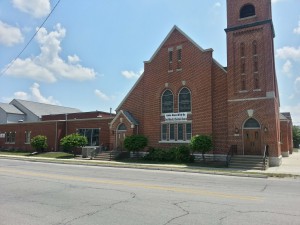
(253,101)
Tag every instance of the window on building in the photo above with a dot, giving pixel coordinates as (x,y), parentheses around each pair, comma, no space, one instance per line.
(243,83)
(188,131)
(256,81)
(10,137)
(252,123)
(164,129)
(122,127)
(242,50)
(27,137)
(184,100)
(254,47)
(176,132)
(180,132)
(247,11)
(170,53)
(167,102)
(179,57)
(92,135)
(255,64)
(243,66)
(172,132)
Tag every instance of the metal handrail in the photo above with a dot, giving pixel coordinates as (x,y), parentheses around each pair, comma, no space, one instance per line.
(265,157)
(231,152)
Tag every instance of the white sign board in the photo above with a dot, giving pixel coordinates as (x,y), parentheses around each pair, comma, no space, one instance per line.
(176,116)
(2,135)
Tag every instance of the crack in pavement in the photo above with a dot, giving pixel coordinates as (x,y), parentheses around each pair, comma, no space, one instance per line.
(185,212)
(270,212)
(133,195)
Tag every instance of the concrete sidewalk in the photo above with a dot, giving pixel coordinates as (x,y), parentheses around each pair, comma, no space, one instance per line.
(290,166)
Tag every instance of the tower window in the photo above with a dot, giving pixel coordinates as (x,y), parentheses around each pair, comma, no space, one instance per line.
(247,11)
(243,83)
(243,66)
(170,55)
(254,47)
(255,64)
(242,48)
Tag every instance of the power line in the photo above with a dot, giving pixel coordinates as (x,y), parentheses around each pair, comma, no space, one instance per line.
(30,40)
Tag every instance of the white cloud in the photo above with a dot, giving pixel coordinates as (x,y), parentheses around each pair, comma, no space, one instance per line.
(294,110)
(288,52)
(101,95)
(10,35)
(297,29)
(217,5)
(34,95)
(36,8)
(287,67)
(48,66)
(131,75)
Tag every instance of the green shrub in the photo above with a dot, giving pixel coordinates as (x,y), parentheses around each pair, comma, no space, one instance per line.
(39,143)
(135,143)
(179,154)
(72,141)
(201,143)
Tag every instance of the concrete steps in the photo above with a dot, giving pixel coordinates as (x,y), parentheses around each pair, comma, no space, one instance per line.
(247,162)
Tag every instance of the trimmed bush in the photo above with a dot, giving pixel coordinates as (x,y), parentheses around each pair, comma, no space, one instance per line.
(39,143)
(135,143)
(179,154)
(201,143)
(72,141)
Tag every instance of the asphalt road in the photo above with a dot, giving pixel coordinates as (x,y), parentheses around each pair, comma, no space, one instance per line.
(40,194)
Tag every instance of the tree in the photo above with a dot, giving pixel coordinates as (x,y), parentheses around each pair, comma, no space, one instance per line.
(296,136)
(72,141)
(202,143)
(135,143)
(39,143)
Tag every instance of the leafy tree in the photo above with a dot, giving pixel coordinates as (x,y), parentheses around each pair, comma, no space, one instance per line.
(201,143)
(135,143)
(39,143)
(72,141)
(296,136)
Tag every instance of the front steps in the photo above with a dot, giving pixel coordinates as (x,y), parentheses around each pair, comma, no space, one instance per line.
(247,162)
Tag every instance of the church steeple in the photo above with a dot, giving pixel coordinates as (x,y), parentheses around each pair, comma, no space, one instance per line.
(250,49)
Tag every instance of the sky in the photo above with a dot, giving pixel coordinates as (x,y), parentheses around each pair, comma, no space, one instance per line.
(88,54)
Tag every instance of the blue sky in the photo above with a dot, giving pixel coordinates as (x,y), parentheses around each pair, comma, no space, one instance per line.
(89,54)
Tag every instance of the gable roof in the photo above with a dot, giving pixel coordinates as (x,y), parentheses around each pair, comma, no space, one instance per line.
(8,108)
(127,115)
(156,52)
(40,109)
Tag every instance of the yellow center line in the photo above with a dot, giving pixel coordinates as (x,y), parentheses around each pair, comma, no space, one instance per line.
(130,184)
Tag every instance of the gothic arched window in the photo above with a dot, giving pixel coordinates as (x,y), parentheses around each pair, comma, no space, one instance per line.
(167,102)
(185,100)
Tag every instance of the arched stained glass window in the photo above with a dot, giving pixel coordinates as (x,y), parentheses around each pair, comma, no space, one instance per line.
(185,100)
(167,102)
(252,123)
(247,11)
(122,127)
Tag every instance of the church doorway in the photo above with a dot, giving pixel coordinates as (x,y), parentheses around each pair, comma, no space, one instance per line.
(121,134)
(252,137)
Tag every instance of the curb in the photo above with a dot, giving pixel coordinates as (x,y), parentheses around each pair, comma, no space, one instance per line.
(174,168)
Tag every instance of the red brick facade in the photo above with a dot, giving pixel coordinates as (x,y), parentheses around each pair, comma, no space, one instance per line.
(238,105)
(184,91)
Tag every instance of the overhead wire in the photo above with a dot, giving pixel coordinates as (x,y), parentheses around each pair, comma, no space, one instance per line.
(30,40)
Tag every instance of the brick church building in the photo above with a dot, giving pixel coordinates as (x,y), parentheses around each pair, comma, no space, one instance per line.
(184,91)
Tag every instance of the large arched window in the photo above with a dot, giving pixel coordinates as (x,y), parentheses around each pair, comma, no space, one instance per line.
(184,100)
(167,102)
(252,123)
(247,11)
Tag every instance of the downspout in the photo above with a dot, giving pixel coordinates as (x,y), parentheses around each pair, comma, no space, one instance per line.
(55,149)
